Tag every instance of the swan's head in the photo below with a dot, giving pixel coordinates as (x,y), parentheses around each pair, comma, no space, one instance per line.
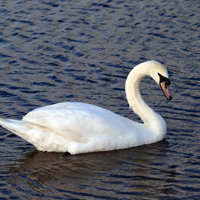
(159,73)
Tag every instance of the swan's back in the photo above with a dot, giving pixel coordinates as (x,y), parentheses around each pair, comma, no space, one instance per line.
(78,120)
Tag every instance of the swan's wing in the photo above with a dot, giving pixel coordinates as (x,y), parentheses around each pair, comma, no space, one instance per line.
(76,121)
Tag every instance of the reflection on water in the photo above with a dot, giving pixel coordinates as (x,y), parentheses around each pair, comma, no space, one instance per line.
(82,51)
(121,173)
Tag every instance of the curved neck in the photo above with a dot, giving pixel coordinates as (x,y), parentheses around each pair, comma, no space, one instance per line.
(136,102)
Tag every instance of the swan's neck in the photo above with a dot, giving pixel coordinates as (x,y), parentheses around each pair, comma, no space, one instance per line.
(138,105)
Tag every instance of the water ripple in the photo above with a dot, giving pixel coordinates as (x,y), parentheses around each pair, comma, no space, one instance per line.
(83,51)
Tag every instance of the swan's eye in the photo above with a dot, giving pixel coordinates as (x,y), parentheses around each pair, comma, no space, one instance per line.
(164,79)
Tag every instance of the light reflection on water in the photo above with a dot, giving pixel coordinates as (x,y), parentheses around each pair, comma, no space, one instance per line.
(83,51)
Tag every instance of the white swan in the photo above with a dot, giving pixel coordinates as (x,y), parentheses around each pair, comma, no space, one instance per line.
(81,128)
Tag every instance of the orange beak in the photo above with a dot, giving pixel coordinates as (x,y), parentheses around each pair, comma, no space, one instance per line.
(165,89)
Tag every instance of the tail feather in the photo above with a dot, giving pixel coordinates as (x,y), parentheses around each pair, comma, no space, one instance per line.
(42,138)
(17,127)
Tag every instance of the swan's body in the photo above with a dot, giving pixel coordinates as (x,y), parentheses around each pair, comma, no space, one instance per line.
(82,128)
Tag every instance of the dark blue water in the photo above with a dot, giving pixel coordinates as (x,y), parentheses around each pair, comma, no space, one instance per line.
(55,51)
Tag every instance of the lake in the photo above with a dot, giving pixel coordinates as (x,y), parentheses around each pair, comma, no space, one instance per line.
(83,50)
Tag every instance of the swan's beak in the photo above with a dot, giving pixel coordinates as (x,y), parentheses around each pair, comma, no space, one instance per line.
(165,89)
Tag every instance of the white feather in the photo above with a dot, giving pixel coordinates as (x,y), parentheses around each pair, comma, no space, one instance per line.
(81,128)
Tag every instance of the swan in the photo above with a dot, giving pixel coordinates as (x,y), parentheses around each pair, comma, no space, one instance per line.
(76,128)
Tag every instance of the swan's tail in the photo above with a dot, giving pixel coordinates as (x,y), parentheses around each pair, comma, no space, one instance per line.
(24,130)
(42,138)
(17,127)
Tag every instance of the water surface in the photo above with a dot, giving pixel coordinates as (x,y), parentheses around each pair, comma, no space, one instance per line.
(83,51)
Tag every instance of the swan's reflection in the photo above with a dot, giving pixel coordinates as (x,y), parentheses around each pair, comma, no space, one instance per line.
(96,170)
(43,164)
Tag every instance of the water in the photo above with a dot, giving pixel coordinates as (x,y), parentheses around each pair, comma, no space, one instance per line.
(55,51)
